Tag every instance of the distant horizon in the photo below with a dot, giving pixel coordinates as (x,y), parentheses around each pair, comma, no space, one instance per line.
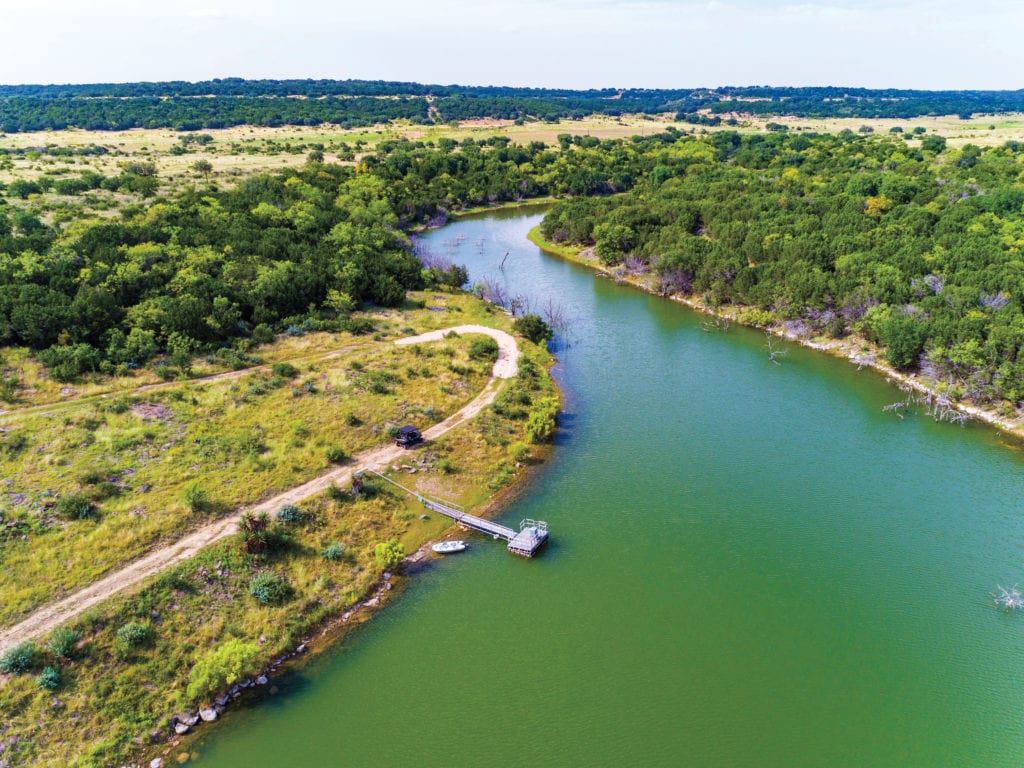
(316,78)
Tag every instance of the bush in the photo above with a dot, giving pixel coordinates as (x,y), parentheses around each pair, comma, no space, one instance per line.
(220,668)
(19,659)
(63,642)
(543,421)
(533,328)
(195,497)
(76,507)
(49,680)
(284,370)
(357,326)
(67,363)
(389,554)
(336,454)
(263,334)
(133,635)
(352,420)
(334,551)
(269,589)
(483,349)
(334,493)
(255,535)
(291,514)
(519,452)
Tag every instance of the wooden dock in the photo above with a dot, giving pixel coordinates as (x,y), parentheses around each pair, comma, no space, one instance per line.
(531,535)
(526,541)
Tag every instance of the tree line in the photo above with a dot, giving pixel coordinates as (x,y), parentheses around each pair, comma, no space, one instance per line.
(233,101)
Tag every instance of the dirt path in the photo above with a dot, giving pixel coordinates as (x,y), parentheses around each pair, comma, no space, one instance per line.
(47,618)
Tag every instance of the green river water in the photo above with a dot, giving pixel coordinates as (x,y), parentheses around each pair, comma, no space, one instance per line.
(750,565)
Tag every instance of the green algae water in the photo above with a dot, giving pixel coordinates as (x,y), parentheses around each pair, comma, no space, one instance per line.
(750,565)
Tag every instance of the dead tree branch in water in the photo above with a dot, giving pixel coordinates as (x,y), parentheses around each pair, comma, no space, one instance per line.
(1009,599)
(897,408)
(491,291)
(773,352)
(520,304)
(557,317)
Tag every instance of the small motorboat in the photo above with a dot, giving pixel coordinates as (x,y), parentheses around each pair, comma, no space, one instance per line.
(448,547)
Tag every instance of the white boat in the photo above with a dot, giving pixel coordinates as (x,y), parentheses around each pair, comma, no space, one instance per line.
(448,547)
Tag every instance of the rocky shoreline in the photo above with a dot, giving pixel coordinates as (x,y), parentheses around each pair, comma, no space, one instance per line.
(856,349)
(180,726)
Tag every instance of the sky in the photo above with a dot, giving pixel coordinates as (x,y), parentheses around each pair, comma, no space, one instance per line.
(929,44)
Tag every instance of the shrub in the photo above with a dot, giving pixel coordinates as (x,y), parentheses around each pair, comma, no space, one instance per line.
(352,420)
(533,328)
(76,507)
(336,454)
(291,514)
(357,326)
(64,641)
(195,497)
(19,659)
(133,635)
(334,493)
(255,536)
(334,551)
(519,452)
(543,421)
(269,589)
(68,363)
(49,680)
(220,668)
(483,349)
(263,334)
(389,554)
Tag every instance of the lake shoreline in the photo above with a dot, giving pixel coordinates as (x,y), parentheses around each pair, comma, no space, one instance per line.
(324,636)
(852,348)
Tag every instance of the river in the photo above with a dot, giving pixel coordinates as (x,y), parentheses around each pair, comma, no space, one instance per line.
(751,565)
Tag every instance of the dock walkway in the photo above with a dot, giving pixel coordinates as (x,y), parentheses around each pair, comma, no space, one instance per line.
(526,541)
(531,535)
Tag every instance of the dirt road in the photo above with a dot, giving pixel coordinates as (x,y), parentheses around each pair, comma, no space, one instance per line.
(48,617)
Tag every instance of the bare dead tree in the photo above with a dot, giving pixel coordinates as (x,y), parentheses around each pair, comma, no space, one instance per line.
(715,324)
(863,358)
(492,291)
(898,408)
(773,351)
(520,304)
(556,316)
(941,408)
(1009,599)
(503,260)
(995,301)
